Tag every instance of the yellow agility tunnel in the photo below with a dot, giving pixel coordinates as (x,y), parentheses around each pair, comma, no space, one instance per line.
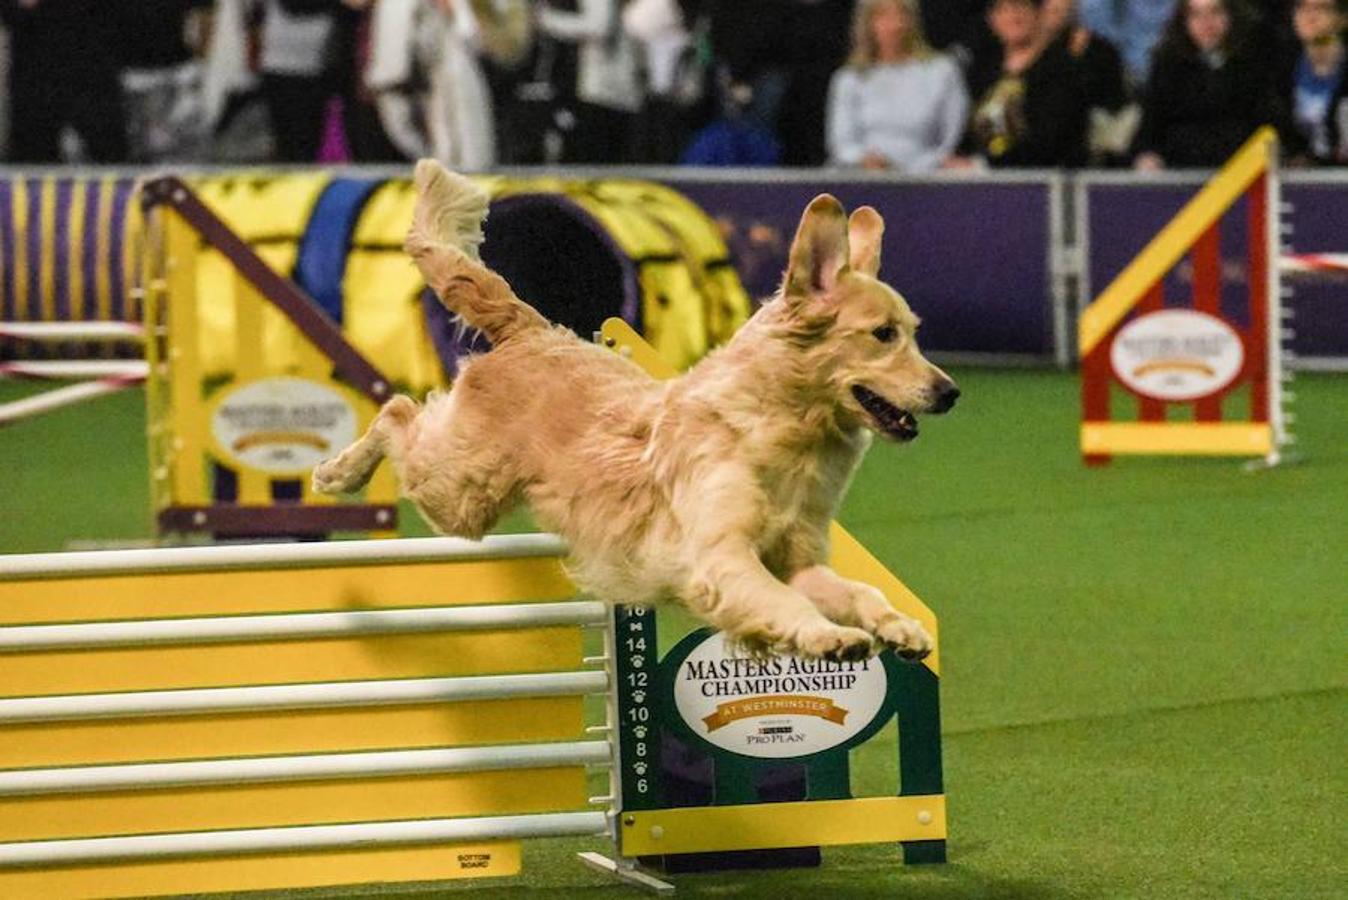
(71,249)
(294,290)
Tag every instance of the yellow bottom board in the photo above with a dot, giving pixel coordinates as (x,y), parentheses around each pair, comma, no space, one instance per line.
(1187,438)
(271,871)
(868,820)
(209,808)
(42,744)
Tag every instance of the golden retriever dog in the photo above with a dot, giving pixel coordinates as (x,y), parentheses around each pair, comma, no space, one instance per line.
(714,490)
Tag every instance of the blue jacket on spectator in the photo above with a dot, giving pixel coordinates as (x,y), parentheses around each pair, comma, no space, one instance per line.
(1133,26)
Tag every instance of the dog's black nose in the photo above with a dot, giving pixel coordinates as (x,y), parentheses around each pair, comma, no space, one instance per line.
(946,395)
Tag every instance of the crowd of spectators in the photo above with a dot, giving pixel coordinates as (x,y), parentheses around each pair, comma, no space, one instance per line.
(905,85)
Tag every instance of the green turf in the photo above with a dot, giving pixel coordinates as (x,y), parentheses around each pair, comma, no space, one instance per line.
(1144,680)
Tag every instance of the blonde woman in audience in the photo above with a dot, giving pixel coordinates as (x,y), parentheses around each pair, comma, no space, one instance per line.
(897,104)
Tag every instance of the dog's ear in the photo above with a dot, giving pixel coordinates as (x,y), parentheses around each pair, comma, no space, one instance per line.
(819,252)
(864,231)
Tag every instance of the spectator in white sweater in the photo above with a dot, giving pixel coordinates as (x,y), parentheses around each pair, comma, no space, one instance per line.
(897,104)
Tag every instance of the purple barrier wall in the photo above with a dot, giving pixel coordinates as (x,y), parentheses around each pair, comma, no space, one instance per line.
(1122,217)
(972,258)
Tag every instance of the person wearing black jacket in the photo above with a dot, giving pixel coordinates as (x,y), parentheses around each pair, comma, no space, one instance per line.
(1029,108)
(1112,117)
(782,55)
(1211,87)
(63,73)
(158,44)
(957,27)
(1098,61)
(1314,79)
(307,57)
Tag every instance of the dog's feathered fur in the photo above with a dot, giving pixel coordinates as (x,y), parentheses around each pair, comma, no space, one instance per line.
(715,489)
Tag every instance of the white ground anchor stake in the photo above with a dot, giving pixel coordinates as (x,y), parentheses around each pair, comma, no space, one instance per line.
(106,376)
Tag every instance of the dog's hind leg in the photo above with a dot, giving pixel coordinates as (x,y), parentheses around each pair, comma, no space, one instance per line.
(351,469)
(862,606)
(461,500)
(458,482)
(450,464)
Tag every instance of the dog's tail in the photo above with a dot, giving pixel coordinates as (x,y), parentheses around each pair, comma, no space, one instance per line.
(444,239)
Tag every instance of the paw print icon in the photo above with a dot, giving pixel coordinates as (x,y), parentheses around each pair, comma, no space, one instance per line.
(638,696)
(640,732)
(640,768)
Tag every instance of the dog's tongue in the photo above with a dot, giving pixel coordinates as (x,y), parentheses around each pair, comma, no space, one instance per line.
(906,426)
(896,422)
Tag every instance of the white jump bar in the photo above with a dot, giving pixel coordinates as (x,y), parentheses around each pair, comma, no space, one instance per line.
(317,767)
(137,370)
(61,397)
(55,332)
(201,701)
(32,638)
(308,837)
(279,556)
(1314,263)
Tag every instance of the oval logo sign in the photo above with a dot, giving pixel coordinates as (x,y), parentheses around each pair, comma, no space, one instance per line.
(776,707)
(1177,354)
(283,426)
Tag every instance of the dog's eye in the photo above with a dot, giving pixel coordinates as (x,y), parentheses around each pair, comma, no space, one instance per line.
(885,333)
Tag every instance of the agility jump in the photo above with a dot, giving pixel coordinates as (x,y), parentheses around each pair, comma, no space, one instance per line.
(248,717)
(1196,353)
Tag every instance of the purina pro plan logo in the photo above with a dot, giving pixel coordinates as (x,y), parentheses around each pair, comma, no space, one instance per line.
(777,707)
(282,426)
(1177,354)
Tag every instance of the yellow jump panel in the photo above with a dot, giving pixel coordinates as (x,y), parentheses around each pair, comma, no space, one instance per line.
(868,820)
(267,872)
(1197,438)
(851,560)
(93,742)
(185,594)
(119,597)
(502,792)
(370,657)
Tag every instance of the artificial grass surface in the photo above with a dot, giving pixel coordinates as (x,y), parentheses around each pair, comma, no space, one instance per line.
(1144,681)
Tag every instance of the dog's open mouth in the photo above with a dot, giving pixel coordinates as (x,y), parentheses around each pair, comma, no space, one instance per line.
(897,423)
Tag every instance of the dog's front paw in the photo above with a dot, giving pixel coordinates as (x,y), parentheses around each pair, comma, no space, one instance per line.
(906,637)
(834,642)
(332,477)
